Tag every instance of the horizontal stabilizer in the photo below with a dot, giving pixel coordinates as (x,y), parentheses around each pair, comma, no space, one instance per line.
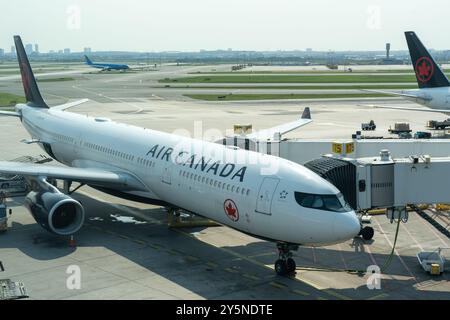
(402,94)
(283,128)
(9,113)
(408,109)
(70,104)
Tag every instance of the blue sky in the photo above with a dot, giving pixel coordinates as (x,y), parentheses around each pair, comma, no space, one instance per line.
(191,25)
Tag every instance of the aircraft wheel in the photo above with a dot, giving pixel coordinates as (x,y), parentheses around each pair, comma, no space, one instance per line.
(291,265)
(367,233)
(281,267)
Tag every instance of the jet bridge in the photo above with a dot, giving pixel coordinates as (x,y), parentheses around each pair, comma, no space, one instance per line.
(385,182)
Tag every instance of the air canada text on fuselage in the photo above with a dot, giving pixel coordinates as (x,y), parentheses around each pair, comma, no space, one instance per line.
(198,162)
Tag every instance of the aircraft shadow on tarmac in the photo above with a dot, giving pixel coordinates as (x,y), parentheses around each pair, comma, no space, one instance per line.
(166,252)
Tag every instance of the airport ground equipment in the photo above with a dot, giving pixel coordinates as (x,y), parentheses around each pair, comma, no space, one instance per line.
(400,127)
(10,290)
(369,126)
(422,135)
(432,262)
(405,135)
(438,125)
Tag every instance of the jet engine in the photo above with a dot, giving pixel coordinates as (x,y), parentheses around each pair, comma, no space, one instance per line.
(54,211)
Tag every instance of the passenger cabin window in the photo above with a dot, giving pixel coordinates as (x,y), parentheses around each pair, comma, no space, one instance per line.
(328,202)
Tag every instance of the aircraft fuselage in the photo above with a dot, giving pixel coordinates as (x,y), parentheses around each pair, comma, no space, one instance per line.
(254,193)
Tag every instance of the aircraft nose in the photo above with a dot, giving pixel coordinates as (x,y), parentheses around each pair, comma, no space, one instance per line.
(346,226)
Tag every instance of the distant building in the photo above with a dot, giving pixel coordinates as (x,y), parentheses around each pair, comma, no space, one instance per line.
(36,48)
(309,50)
(52,52)
(13,50)
(60,52)
(87,50)
(29,48)
(66,51)
(2,52)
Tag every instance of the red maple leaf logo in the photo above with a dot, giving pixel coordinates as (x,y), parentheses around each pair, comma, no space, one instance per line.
(231,210)
(424,69)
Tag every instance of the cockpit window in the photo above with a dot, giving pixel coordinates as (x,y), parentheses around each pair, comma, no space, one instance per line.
(328,202)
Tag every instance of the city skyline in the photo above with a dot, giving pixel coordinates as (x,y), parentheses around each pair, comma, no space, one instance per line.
(263,25)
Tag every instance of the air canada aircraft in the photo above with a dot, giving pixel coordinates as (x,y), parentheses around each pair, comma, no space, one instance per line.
(261,195)
(434,86)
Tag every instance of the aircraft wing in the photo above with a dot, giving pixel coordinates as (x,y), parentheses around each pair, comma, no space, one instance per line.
(446,111)
(400,94)
(9,113)
(70,104)
(283,128)
(93,176)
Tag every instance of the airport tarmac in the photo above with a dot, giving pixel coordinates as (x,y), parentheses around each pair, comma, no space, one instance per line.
(126,250)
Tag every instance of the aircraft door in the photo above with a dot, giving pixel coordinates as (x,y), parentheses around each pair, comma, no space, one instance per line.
(166,176)
(265,195)
(447,99)
(77,144)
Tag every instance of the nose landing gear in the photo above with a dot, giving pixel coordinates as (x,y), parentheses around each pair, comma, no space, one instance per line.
(285,264)
(367,233)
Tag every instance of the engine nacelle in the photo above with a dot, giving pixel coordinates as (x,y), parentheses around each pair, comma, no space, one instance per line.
(55,212)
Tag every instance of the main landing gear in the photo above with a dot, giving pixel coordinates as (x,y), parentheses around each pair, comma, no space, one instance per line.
(285,264)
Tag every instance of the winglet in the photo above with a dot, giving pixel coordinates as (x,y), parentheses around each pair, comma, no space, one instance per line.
(306,113)
(30,87)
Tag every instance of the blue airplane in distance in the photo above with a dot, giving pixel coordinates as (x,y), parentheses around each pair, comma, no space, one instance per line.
(106,66)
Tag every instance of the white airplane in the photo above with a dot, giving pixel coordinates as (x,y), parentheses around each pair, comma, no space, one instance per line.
(434,86)
(261,195)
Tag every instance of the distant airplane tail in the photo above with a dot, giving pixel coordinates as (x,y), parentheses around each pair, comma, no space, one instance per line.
(428,72)
(88,61)
(30,87)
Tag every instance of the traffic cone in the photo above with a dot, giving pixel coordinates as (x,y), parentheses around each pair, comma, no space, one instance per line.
(72,242)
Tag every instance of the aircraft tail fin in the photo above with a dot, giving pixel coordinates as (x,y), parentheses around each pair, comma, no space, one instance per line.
(30,87)
(88,61)
(428,72)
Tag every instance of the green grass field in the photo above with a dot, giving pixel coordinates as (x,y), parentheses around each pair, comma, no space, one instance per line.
(8,100)
(352,78)
(235,97)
